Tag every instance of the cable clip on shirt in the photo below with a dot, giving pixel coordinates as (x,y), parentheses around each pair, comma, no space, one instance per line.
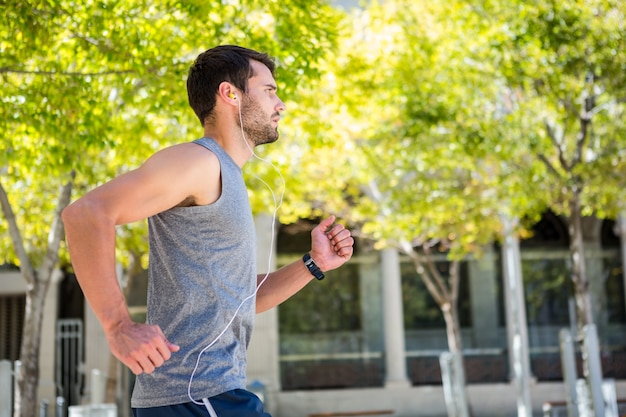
(312,267)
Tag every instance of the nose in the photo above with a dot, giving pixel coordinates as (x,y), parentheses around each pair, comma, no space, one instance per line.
(280,106)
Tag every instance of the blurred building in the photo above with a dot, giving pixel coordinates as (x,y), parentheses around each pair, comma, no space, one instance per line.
(369,336)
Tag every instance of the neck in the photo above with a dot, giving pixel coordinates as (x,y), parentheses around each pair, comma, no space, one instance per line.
(232,142)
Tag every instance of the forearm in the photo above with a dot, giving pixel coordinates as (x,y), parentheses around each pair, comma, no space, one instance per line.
(281,284)
(91,244)
(332,246)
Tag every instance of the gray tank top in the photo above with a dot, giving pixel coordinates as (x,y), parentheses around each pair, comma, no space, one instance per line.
(202,266)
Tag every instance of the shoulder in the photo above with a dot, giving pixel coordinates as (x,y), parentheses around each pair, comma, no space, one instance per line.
(189,167)
(183,159)
(189,151)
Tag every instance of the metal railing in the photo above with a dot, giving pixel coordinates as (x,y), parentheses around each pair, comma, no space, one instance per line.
(69,359)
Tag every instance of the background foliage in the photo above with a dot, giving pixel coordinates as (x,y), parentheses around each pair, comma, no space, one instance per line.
(416,122)
(97,86)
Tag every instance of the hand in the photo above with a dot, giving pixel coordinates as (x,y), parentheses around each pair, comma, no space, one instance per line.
(141,347)
(331,244)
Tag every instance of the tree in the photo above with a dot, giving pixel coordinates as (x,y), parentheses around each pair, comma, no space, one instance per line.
(91,88)
(566,61)
(412,120)
(450,115)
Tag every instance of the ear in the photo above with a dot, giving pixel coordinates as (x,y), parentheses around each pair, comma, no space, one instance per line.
(228,93)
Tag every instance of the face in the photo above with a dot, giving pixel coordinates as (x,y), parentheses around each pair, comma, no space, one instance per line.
(261,107)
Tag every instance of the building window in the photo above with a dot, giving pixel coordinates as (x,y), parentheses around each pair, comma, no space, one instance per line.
(327,339)
(548,289)
(322,339)
(330,305)
(12,308)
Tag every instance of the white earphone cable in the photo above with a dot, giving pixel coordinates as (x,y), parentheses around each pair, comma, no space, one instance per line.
(277,205)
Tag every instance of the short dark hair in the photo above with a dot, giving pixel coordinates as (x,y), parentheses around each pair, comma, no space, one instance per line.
(229,63)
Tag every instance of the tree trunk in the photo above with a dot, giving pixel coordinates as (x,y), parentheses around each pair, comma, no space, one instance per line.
(28,377)
(584,314)
(580,280)
(455,344)
(446,296)
(450,310)
(453,329)
(25,396)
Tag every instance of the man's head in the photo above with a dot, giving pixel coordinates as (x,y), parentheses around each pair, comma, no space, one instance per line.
(228,63)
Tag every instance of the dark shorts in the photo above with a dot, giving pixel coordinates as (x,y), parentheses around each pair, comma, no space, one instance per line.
(235,403)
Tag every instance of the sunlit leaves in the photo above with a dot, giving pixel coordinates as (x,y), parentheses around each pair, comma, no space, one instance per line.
(98,85)
(452,111)
(443,106)
(429,156)
(567,61)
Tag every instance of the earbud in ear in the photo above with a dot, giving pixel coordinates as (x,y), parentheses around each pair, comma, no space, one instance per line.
(233,96)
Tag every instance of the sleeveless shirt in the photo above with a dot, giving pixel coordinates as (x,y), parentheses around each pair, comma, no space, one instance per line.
(202,266)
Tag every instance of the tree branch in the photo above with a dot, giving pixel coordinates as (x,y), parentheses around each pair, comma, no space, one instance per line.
(548,164)
(604,106)
(426,277)
(557,144)
(583,134)
(26,267)
(438,279)
(454,281)
(63,73)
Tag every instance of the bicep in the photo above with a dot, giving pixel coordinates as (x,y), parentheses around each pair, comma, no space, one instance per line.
(162,182)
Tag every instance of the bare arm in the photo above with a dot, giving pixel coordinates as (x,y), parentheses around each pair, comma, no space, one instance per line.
(331,247)
(166,179)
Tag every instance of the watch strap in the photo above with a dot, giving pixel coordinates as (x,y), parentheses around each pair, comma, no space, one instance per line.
(312,266)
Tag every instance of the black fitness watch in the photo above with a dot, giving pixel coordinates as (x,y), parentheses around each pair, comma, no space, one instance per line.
(312,267)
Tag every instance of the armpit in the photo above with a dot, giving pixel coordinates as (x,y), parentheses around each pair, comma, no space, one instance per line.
(187,202)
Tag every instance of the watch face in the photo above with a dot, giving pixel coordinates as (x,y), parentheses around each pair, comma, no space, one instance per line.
(312,267)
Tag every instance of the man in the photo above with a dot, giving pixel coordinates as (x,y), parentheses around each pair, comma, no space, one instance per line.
(189,357)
